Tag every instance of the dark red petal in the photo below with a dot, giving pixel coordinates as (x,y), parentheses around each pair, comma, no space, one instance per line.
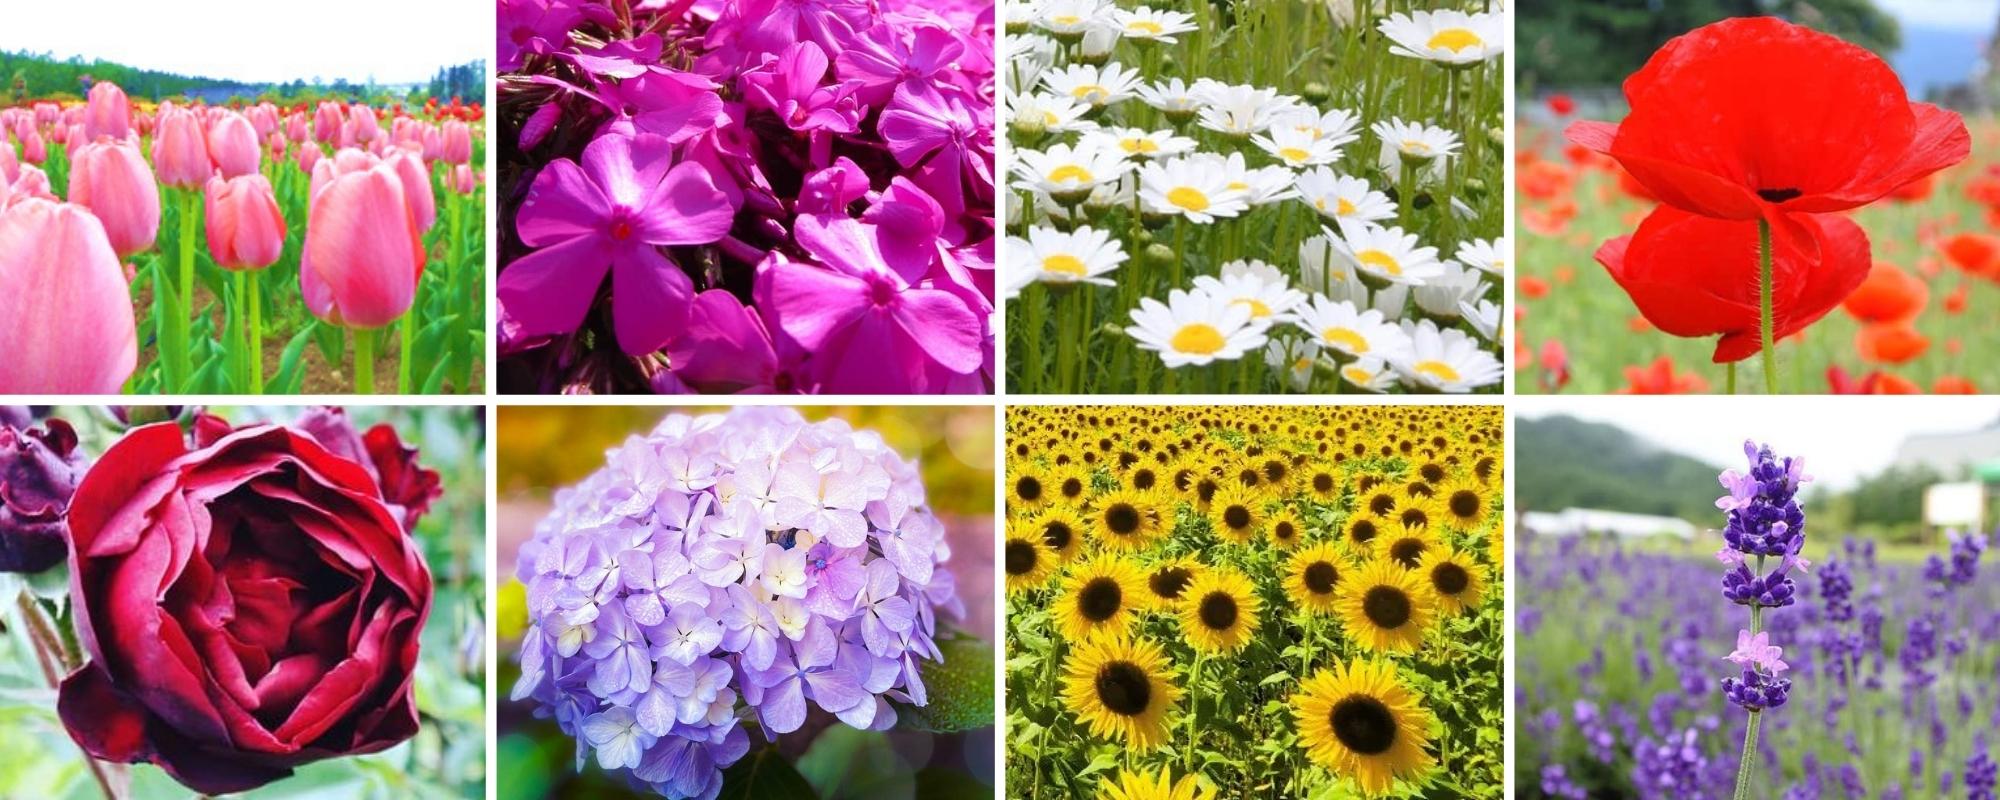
(405,482)
(105,722)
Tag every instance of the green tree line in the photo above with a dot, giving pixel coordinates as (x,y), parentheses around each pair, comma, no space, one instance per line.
(1566,43)
(37,76)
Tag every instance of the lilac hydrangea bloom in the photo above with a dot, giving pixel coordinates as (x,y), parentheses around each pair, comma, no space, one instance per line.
(689,596)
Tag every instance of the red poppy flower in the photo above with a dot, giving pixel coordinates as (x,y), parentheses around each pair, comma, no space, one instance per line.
(1755,117)
(1892,343)
(1532,287)
(1555,366)
(1913,191)
(1888,295)
(1975,253)
(1872,383)
(1953,384)
(1695,276)
(1659,378)
(1954,303)
(1561,104)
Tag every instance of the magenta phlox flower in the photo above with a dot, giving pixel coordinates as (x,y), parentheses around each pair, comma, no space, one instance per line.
(789,86)
(888,55)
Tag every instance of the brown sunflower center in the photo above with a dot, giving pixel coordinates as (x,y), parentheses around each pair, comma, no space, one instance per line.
(1415,518)
(1122,519)
(1028,488)
(1144,479)
(1100,599)
(1218,611)
(1382,503)
(1362,531)
(1283,531)
(1236,517)
(1320,577)
(1021,557)
(1386,606)
(1072,488)
(1274,470)
(1169,582)
(1450,578)
(1323,483)
(1057,533)
(1363,724)
(1206,489)
(1407,551)
(1432,473)
(1124,689)
(1464,503)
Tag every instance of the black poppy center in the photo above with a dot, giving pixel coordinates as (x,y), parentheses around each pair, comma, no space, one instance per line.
(1218,611)
(1320,577)
(1322,483)
(1386,606)
(1382,503)
(1122,519)
(1021,557)
(1282,531)
(1057,534)
(1364,724)
(1450,578)
(1778,195)
(1028,488)
(1465,503)
(1236,517)
(1099,599)
(1169,582)
(1123,688)
(1362,531)
(1407,552)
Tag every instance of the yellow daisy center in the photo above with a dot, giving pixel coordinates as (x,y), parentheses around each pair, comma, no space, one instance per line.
(1414,146)
(1454,39)
(1345,208)
(1199,338)
(1438,370)
(1238,186)
(1050,119)
(1145,26)
(1067,20)
(1064,263)
(1293,154)
(1357,375)
(1302,363)
(1257,308)
(1188,198)
(1138,145)
(1071,173)
(1348,338)
(1090,93)
(1380,260)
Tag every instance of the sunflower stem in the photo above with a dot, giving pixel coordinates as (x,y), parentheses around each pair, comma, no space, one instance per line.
(1764,314)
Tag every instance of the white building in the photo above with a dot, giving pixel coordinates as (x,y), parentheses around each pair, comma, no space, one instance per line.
(1587,521)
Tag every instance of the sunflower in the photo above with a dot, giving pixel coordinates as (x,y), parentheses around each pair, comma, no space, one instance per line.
(1169,580)
(1313,575)
(1465,504)
(1027,487)
(1099,595)
(1140,786)
(1404,546)
(1029,562)
(1418,512)
(1323,485)
(1125,519)
(1285,530)
(1360,531)
(1385,607)
(1382,500)
(1144,477)
(1219,611)
(1118,687)
(1070,485)
(1062,531)
(1234,512)
(1358,720)
(1458,581)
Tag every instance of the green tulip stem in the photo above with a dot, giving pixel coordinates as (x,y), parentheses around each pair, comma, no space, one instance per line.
(364,362)
(256,334)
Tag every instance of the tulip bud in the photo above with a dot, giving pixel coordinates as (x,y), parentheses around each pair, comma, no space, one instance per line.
(245,228)
(180,150)
(463,179)
(109,115)
(112,180)
(309,155)
(66,323)
(233,146)
(33,149)
(39,470)
(364,242)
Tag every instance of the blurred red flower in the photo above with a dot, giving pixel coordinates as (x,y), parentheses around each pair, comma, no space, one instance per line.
(1888,294)
(1659,378)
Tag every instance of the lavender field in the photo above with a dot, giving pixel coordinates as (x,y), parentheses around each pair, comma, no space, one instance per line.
(1892,662)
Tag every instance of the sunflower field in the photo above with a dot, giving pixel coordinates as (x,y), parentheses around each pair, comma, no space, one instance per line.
(1283,602)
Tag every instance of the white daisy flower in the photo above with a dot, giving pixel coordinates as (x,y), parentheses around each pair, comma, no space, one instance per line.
(1448,37)
(1027,56)
(1445,361)
(1297,148)
(1324,270)
(1261,186)
(1269,303)
(1339,197)
(1172,97)
(1414,142)
(1240,110)
(1068,173)
(1340,126)
(1147,24)
(1339,326)
(1194,328)
(1440,297)
(1056,114)
(1099,86)
(1071,19)
(1296,358)
(1098,42)
(1196,188)
(1369,374)
(1258,269)
(1389,254)
(1108,195)
(1017,17)
(1141,144)
(1488,256)
(1484,316)
(1052,256)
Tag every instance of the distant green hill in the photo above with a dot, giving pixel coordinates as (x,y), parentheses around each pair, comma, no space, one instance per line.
(28,76)
(1564,462)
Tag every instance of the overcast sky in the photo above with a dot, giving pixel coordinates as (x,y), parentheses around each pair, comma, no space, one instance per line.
(1977,14)
(1842,438)
(259,41)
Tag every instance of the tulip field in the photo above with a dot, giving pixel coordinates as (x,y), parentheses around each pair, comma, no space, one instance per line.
(1886,260)
(249,249)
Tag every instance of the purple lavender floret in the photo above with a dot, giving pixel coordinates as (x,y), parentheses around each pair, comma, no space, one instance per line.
(1836,590)
(1982,774)
(1762,506)
(1756,691)
(725,572)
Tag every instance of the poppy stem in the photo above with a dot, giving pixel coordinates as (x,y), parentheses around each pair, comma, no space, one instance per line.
(1764,314)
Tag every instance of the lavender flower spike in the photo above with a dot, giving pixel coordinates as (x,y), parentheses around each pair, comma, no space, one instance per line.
(1765,521)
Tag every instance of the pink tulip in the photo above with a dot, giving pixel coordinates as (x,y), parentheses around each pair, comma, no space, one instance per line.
(32,183)
(364,247)
(416,186)
(47,113)
(9,167)
(33,149)
(295,128)
(109,114)
(233,145)
(59,133)
(111,179)
(463,179)
(245,228)
(180,150)
(276,141)
(361,118)
(327,121)
(457,142)
(66,320)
